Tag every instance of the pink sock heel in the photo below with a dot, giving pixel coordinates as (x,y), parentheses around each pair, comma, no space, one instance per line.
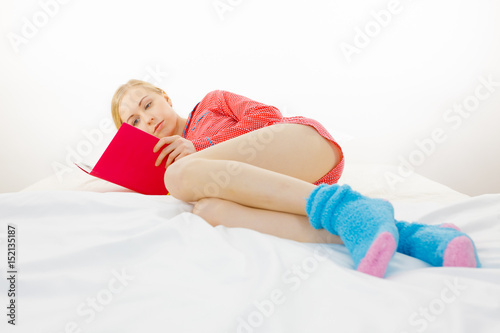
(460,252)
(378,255)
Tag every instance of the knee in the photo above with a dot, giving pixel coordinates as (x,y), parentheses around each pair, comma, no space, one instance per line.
(209,210)
(180,179)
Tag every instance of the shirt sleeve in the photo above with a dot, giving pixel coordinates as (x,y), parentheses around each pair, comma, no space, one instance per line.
(248,114)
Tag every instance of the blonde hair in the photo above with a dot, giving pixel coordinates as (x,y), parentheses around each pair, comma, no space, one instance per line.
(120,92)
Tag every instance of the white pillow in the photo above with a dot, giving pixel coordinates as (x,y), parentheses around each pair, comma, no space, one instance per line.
(75,180)
(378,180)
(369,179)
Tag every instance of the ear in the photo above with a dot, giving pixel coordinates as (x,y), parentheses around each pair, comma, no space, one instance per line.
(169,101)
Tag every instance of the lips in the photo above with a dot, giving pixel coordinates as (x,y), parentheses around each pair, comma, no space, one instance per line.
(158,126)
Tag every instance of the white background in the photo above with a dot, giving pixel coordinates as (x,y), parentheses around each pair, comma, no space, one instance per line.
(57,80)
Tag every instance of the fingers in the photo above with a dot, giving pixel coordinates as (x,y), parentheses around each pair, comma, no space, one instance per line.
(181,155)
(170,142)
(176,148)
(177,153)
(166,151)
(165,141)
(172,157)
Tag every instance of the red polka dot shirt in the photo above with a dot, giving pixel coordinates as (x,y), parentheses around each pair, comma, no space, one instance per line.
(222,115)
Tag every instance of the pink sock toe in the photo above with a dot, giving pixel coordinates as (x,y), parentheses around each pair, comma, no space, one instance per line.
(449,225)
(378,256)
(460,253)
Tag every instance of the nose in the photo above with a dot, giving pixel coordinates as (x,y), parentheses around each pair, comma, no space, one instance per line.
(148,121)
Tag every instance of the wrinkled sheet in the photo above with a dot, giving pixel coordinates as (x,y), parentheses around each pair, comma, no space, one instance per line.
(125,262)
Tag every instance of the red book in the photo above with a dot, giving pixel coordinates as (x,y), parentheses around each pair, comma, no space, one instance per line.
(129,161)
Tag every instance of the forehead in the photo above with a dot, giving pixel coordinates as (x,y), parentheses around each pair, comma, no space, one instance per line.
(131,99)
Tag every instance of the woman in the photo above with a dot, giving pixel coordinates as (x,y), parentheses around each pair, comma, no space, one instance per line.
(244,165)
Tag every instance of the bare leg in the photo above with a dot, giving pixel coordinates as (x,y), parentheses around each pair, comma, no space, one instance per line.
(283,225)
(270,168)
(275,175)
(459,251)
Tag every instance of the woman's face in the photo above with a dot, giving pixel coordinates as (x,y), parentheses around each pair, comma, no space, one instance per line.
(148,111)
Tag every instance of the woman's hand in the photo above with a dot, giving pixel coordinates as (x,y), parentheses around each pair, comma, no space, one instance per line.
(177,147)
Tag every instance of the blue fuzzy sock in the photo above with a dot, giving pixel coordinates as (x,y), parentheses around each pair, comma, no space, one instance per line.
(365,225)
(437,245)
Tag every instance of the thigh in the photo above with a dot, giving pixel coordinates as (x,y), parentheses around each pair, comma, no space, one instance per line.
(292,149)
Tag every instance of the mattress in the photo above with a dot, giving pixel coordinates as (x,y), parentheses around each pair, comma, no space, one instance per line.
(94,257)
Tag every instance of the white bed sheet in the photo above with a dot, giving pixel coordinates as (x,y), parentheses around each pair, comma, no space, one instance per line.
(125,262)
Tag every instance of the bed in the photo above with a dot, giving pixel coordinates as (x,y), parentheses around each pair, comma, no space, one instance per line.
(94,257)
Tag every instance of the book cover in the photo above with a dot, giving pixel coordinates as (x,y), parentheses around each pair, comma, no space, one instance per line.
(129,161)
